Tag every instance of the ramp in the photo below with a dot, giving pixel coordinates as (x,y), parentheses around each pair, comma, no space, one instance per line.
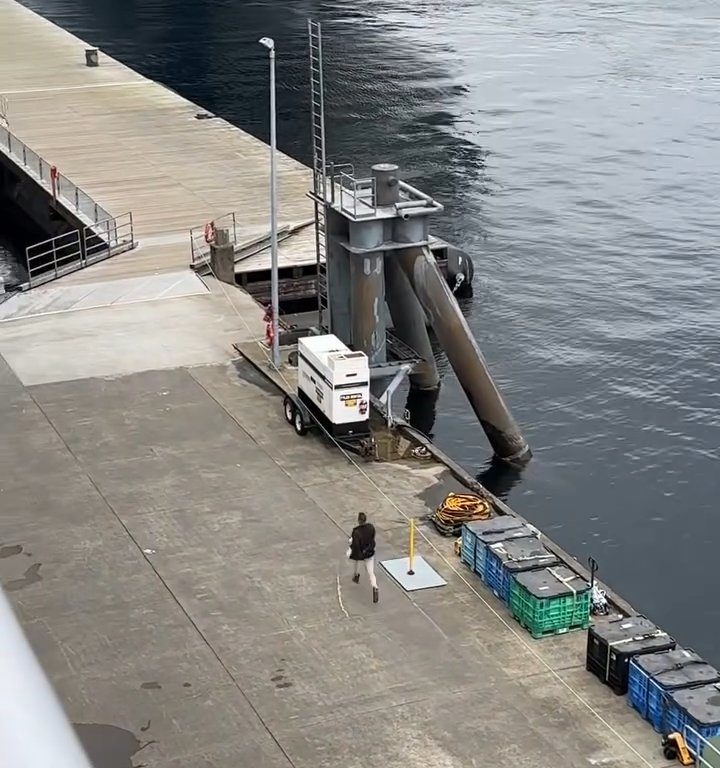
(51,300)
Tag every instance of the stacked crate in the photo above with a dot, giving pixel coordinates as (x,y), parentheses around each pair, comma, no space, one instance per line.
(550,601)
(477,535)
(694,712)
(505,559)
(612,642)
(653,676)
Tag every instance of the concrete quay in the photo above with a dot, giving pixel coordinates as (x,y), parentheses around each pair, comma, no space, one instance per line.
(176,555)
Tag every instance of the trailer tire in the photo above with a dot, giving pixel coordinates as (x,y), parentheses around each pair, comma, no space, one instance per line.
(289,409)
(299,423)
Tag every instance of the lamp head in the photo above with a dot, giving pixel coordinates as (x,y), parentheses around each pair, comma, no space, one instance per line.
(268,42)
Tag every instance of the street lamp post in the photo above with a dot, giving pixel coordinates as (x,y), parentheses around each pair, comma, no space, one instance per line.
(269,43)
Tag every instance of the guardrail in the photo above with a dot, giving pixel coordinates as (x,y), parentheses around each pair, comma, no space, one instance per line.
(107,238)
(199,245)
(53,258)
(58,185)
(75,250)
(34,729)
(355,197)
(705,752)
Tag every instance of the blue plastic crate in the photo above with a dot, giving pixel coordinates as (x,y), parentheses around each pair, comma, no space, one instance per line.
(474,538)
(695,712)
(652,676)
(512,556)
(467,552)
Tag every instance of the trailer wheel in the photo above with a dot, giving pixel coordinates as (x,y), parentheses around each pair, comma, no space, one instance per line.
(289,409)
(299,423)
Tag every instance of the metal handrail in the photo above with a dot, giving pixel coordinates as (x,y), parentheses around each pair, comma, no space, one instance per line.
(107,238)
(70,251)
(53,257)
(69,194)
(199,247)
(34,729)
(698,746)
(352,187)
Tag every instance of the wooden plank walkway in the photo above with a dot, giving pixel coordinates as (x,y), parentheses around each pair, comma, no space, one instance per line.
(133,145)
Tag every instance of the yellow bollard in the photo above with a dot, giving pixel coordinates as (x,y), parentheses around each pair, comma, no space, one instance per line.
(411,572)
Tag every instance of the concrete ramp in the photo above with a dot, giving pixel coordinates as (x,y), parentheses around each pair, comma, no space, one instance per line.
(51,300)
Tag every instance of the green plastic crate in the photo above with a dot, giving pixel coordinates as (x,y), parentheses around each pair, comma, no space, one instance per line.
(550,601)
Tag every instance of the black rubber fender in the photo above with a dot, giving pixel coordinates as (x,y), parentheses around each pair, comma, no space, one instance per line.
(460,271)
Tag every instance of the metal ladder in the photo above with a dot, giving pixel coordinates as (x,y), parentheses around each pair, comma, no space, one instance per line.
(319,172)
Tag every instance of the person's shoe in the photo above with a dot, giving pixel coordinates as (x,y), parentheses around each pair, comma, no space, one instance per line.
(356,578)
(376,595)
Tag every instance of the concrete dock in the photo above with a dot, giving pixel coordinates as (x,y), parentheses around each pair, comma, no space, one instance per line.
(176,554)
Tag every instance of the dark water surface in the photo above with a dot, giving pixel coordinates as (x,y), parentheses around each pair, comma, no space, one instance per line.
(575,146)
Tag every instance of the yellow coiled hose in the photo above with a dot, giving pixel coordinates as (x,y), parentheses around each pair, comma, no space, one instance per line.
(459,508)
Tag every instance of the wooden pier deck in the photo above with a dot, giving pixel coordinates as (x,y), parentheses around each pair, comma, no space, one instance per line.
(134,145)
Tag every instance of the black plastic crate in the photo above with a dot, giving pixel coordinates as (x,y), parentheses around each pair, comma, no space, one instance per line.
(612,642)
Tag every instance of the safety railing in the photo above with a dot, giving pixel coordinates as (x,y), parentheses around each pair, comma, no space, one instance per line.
(705,752)
(200,237)
(107,238)
(77,249)
(53,258)
(58,185)
(324,183)
(356,197)
(4,111)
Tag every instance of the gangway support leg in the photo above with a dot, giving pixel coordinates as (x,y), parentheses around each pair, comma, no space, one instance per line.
(463,354)
(409,325)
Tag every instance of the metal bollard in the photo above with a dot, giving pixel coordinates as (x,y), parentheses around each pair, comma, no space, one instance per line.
(411,548)
(92,57)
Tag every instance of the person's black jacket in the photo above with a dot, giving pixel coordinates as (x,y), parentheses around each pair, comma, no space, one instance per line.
(362,545)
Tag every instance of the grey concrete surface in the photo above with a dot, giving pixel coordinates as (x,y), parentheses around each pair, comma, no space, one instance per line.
(57,297)
(176,555)
(122,339)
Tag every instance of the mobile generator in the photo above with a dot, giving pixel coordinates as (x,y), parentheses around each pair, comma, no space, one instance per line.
(333,393)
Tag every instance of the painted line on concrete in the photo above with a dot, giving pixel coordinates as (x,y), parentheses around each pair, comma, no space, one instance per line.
(35,315)
(58,88)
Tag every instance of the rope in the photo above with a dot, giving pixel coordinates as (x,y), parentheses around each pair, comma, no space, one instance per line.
(513,631)
(459,508)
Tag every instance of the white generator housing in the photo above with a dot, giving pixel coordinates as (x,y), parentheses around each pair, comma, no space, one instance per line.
(334,384)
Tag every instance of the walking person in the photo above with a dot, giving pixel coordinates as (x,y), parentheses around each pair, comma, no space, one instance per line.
(362,549)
